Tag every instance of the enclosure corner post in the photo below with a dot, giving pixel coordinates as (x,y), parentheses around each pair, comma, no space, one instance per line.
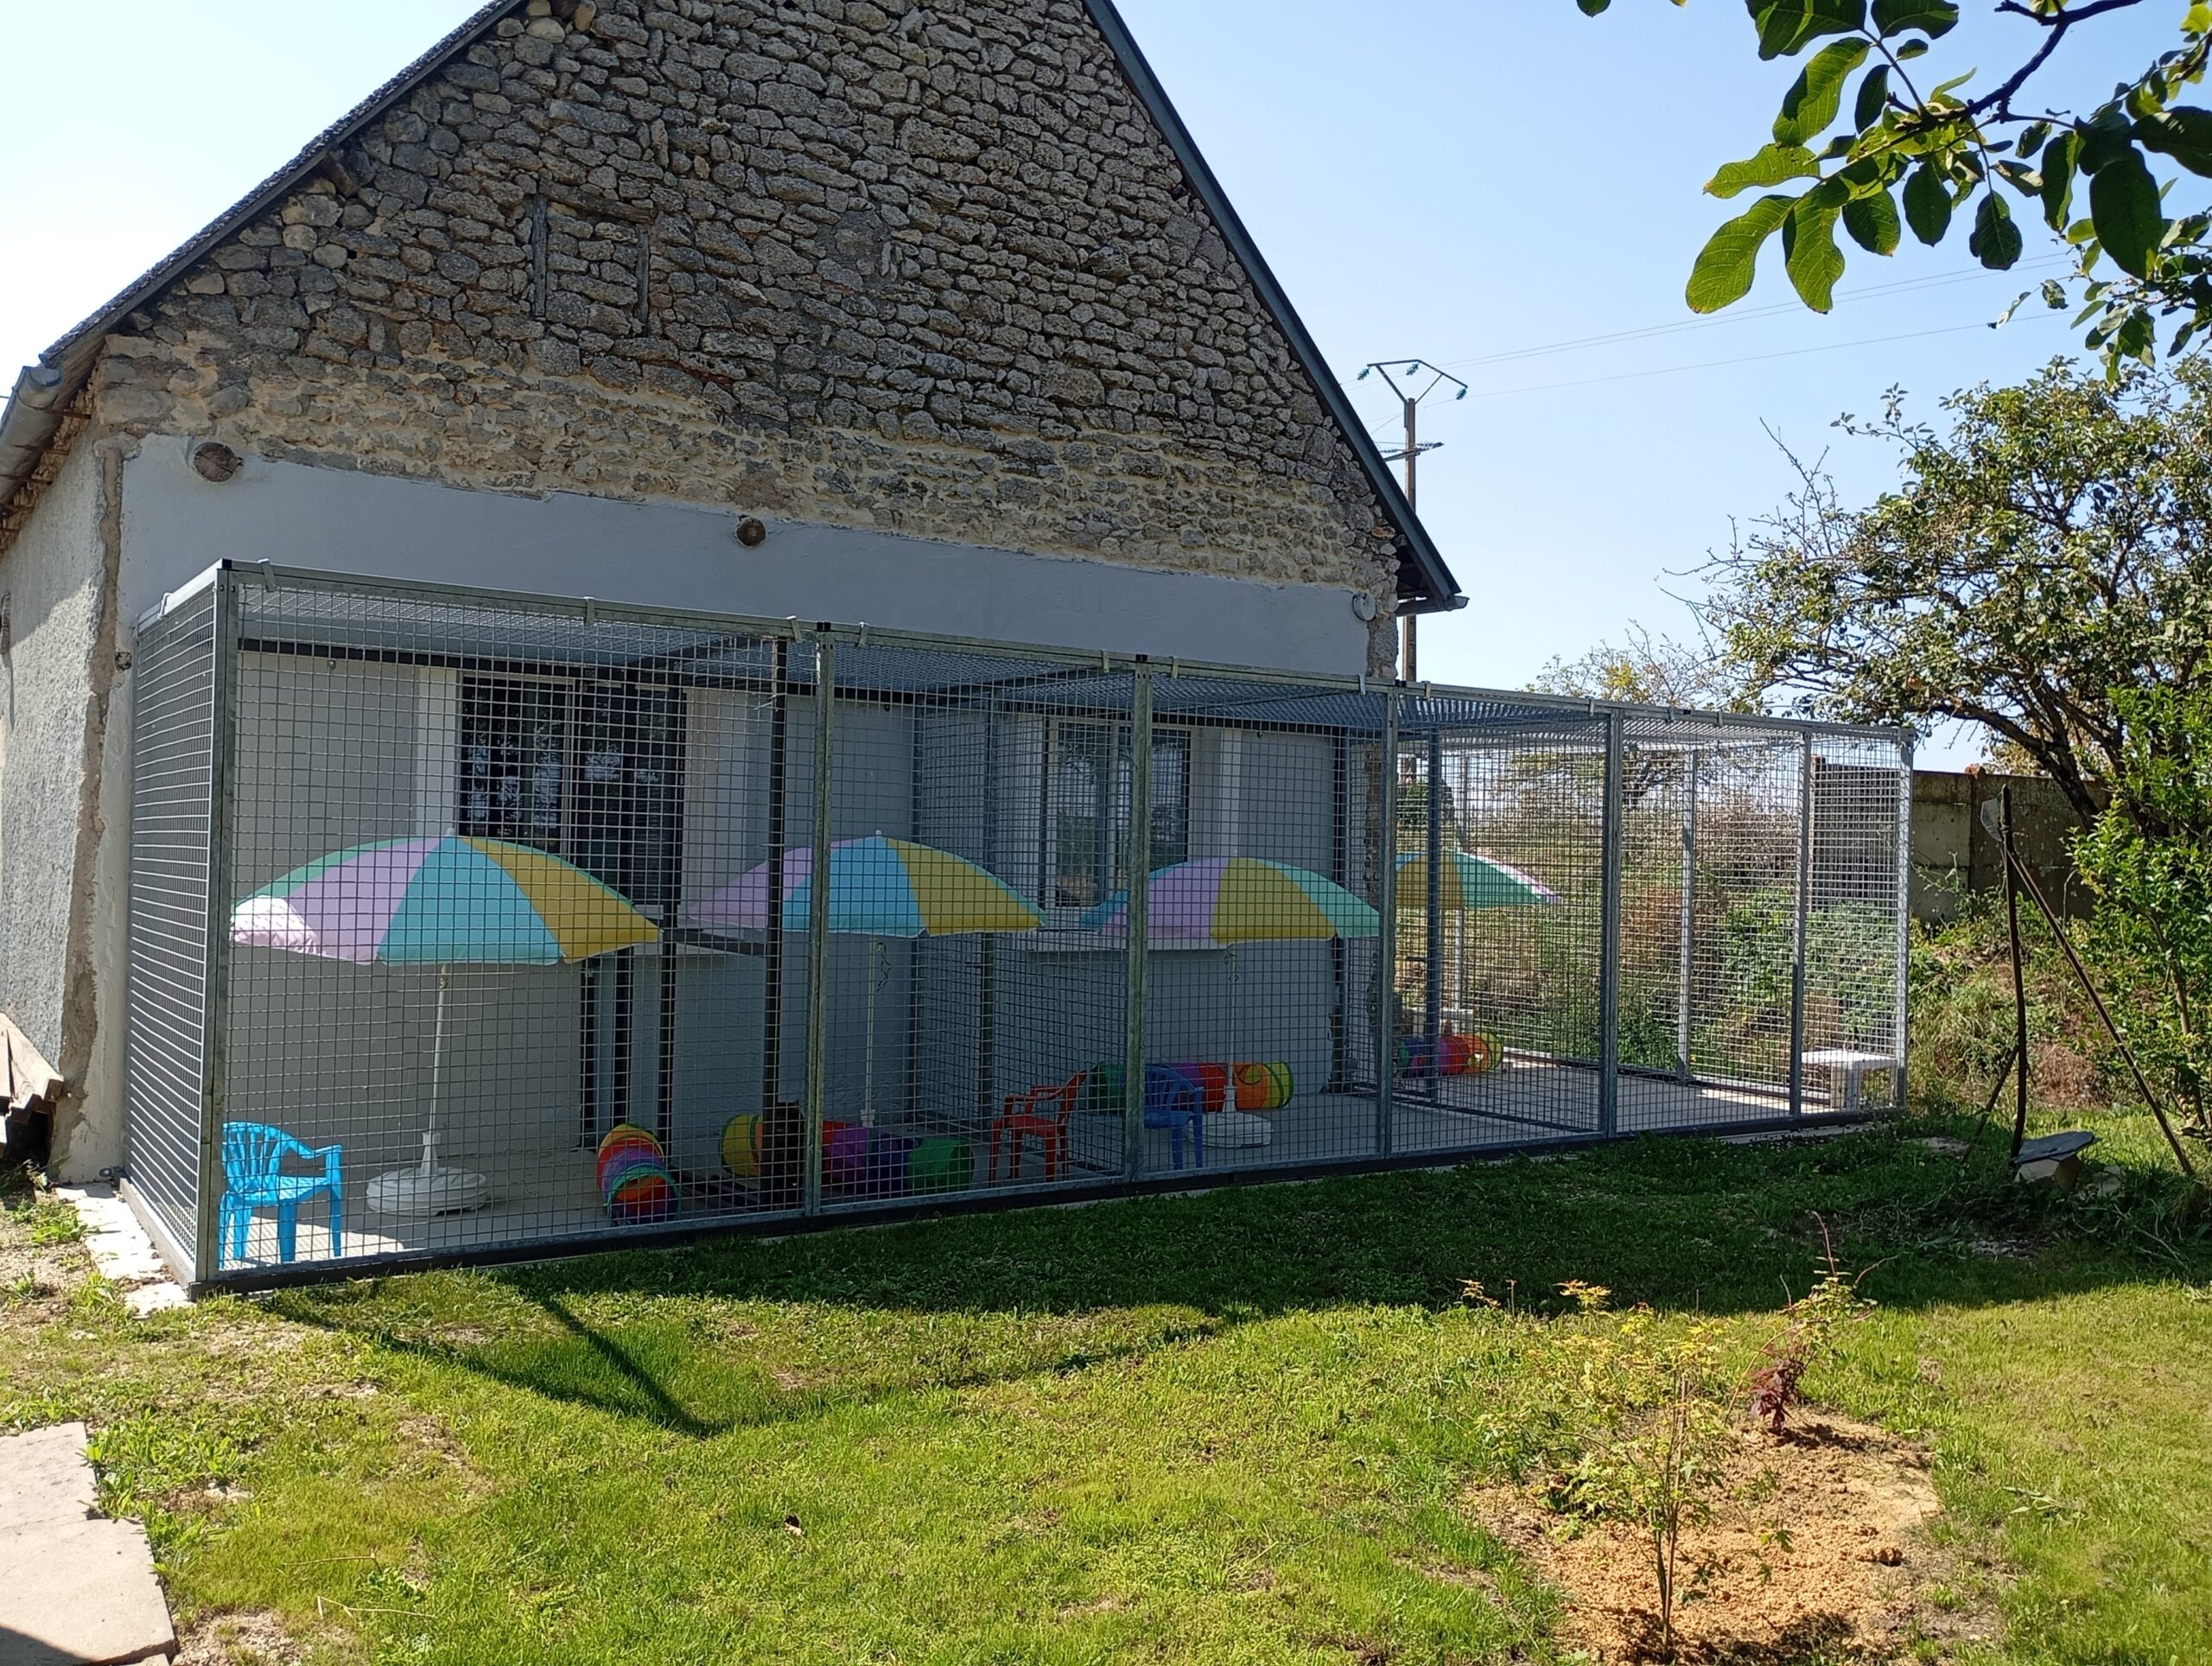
(1138,913)
(1904,915)
(1685,1006)
(817,921)
(1609,935)
(1386,941)
(1800,925)
(222,796)
(1433,911)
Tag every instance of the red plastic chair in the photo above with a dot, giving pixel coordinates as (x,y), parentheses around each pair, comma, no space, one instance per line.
(1044,1112)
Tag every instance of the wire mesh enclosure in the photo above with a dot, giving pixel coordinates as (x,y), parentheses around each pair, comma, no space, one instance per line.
(465,924)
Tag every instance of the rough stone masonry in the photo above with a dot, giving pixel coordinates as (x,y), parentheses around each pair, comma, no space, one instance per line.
(934,272)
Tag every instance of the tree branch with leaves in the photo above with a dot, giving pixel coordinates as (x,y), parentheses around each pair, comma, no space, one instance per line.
(1940,154)
(2053,547)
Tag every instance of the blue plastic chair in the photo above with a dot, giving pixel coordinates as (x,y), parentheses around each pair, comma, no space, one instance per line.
(253,1153)
(1172,1101)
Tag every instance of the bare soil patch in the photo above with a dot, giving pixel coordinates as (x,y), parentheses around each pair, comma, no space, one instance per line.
(1816,1552)
(238,1640)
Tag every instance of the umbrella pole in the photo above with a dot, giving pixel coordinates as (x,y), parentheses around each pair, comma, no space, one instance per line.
(437,1073)
(868,1074)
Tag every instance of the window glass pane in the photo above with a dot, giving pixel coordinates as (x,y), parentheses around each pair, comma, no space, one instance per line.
(1171,799)
(1078,777)
(514,746)
(629,788)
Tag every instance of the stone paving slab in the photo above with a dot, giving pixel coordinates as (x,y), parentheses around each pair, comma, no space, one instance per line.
(76,1589)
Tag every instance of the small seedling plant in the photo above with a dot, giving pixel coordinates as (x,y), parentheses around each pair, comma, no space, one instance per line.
(1641,1422)
(1807,1337)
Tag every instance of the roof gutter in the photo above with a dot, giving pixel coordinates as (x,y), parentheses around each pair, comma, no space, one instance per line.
(1425,582)
(33,416)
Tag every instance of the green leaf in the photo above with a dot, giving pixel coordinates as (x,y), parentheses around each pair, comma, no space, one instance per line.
(1809,251)
(1873,94)
(1928,204)
(1996,239)
(1931,17)
(2103,138)
(1591,8)
(2124,206)
(1727,263)
(1773,164)
(2183,133)
(2137,336)
(2058,163)
(1910,50)
(2054,295)
(1872,223)
(2031,138)
(1936,97)
(2021,177)
(1815,97)
(1786,26)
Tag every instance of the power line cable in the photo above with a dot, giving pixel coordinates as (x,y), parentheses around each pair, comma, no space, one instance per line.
(1649,331)
(1748,358)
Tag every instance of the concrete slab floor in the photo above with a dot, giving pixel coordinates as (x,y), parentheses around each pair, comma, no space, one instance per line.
(76,1589)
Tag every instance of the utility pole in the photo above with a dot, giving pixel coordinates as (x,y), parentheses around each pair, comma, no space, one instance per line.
(1410,370)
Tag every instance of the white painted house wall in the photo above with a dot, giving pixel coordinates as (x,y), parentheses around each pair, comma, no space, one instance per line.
(176,525)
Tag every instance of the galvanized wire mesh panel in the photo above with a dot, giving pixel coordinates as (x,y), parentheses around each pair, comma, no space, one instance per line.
(519,946)
(524,944)
(975,1013)
(1500,898)
(1710,924)
(172,825)
(1854,1002)
(1263,925)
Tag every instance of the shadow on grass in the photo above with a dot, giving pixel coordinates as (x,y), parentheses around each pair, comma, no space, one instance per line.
(1680,1225)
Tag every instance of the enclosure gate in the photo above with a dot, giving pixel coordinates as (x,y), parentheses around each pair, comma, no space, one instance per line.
(466,925)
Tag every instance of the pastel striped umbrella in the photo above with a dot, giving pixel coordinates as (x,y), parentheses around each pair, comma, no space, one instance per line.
(1229,899)
(879,887)
(1469,882)
(1232,899)
(439,901)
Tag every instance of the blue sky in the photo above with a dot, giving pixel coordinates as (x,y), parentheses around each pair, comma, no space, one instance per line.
(1455,180)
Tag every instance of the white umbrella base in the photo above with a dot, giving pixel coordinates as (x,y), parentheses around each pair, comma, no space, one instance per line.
(419,1192)
(1234,1128)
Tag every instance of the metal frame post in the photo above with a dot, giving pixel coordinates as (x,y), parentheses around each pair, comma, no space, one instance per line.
(1682,1002)
(1608,933)
(1432,969)
(1801,926)
(817,922)
(222,791)
(1138,912)
(1904,912)
(1386,941)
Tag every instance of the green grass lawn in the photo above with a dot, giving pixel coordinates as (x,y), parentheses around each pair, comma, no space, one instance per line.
(1236,1426)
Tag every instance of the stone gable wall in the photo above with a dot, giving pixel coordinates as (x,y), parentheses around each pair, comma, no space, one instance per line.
(933,272)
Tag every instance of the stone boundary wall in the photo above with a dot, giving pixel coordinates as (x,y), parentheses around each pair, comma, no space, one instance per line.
(1954,857)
